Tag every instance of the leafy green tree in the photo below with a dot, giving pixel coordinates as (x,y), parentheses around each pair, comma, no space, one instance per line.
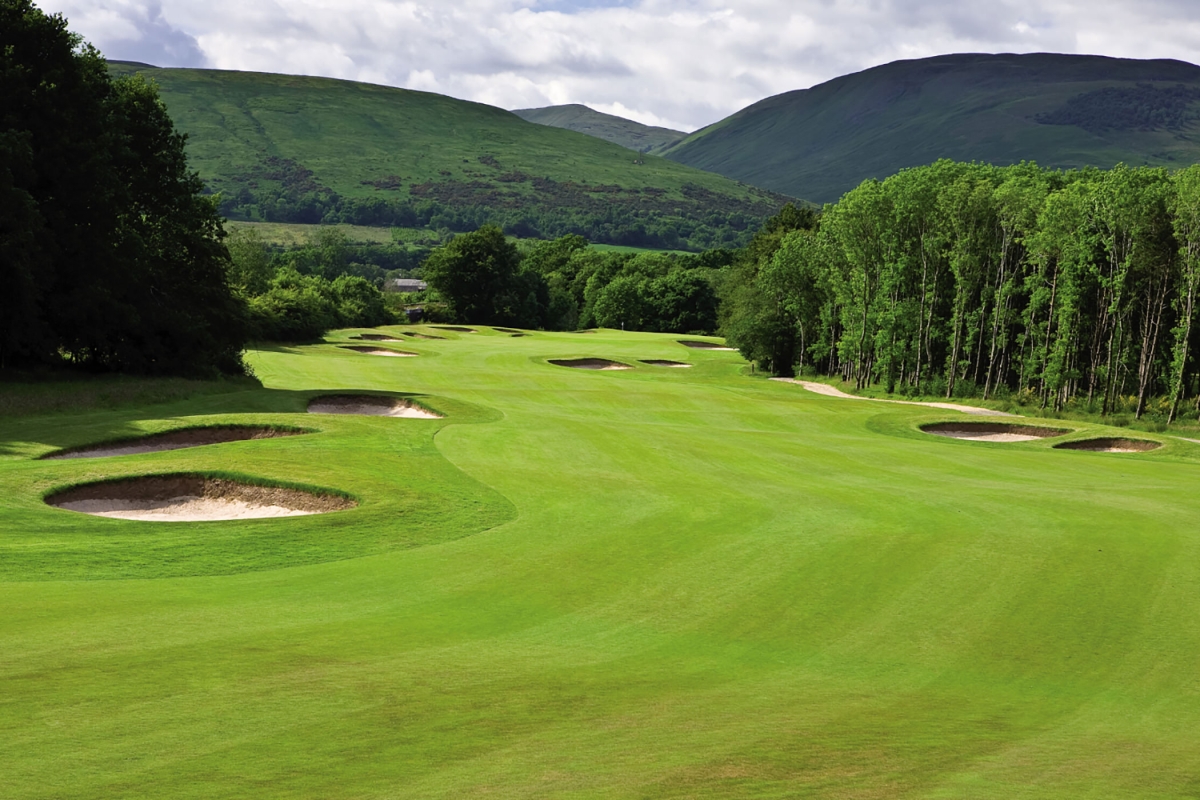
(622,304)
(251,269)
(475,275)
(117,260)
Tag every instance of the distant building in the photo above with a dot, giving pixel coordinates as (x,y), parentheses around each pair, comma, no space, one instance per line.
(407,285)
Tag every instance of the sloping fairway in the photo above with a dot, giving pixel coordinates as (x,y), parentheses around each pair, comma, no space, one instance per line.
(631,584)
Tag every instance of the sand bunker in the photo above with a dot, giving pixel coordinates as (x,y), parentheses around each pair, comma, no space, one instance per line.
(369,406)
(992,431)
(174,440)
(455,328)
(192,498)
(704,345)
(416,335)
(589,363)
(518,335)
(376,337)
(375,351)
(659,362)
(1110,445)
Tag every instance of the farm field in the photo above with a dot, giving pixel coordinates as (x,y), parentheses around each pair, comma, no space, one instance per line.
(615,583)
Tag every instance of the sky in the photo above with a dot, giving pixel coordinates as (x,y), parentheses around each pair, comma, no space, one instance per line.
(678,63)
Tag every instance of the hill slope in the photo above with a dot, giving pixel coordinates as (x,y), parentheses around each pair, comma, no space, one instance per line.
(618,130)
(300,149)
(1059,110)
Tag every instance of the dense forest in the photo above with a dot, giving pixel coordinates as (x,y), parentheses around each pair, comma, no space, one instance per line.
(528,207)
(1068,289)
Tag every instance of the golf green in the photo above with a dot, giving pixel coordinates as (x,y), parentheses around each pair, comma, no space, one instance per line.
(587,583)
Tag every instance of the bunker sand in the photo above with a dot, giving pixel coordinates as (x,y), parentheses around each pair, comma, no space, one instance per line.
(1111,445)
(375,351)
(369,406)
(992,431)
(174,440)
(193,498)
(376,337)
(660,362)
(589,363)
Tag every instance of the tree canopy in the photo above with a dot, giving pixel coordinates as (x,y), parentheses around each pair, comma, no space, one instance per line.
(111,255)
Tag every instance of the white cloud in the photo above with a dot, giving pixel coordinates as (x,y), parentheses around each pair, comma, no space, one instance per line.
(679,63)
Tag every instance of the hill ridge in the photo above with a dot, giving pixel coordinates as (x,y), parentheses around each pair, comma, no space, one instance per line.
(821,141)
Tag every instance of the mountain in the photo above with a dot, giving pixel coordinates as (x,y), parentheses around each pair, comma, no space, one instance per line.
(288,148)
(618,130)
(1058,110)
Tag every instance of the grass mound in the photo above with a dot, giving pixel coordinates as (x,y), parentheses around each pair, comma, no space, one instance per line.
(696,344)
(589,363)
(369,406)
(193,498)
(175,440)
(454,328)
(1111,445)
(992,431)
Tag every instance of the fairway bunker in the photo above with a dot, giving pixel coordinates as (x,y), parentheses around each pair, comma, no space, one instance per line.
(455,328)
(424,336)
(175,440)
(1110,445)
(367,405)
(589,363)
(377,351)
(992,431)
(696,345)
(661,362)
(376,337)
(193,498)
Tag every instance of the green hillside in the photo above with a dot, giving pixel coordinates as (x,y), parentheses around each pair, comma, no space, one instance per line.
(618,130)
(1058,110)
(300,149)
(650,583)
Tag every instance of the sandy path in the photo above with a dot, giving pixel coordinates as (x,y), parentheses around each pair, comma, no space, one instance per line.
(833,391)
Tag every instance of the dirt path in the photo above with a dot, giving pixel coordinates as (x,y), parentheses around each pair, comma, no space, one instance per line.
(833,391)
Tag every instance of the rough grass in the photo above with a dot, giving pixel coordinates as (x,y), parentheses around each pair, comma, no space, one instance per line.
(673,583)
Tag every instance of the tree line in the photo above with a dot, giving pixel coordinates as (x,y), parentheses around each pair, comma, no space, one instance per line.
(1060,288)
(563,284)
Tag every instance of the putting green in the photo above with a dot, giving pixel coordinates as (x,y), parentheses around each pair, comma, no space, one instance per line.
(582,583)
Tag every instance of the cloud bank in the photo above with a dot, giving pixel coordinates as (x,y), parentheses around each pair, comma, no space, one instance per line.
(677,63)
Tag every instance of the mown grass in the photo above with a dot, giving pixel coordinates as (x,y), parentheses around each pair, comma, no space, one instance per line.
(672,583)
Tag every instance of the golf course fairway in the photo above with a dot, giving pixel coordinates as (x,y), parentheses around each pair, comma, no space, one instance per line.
(583,583)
